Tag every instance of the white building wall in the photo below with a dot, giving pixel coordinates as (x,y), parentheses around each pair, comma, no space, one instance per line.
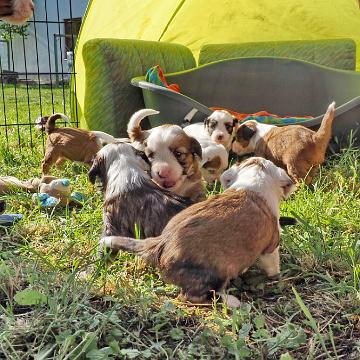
(40,42)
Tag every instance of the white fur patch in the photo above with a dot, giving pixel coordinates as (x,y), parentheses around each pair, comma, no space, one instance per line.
(136,118)
(230,300)
(103,138)
(267,180)
(123,167)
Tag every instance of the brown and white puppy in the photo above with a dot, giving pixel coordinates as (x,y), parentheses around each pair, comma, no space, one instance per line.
(173,156)
(220,126)
(71,144)
(215,157)
(16,11)
(131,197)
(214,241)
(295,148)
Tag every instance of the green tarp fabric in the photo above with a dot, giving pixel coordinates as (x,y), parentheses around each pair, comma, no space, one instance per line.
(194,23)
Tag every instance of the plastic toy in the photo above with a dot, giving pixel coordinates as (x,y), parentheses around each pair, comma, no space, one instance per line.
(57,192)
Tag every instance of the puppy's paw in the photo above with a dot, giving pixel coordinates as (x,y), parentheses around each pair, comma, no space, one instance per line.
(105,246)
(230,301)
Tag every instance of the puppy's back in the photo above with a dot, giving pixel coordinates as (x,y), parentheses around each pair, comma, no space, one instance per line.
(230,231)
(146,205)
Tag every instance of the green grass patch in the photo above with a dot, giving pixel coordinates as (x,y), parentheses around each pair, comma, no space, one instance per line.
(59,301)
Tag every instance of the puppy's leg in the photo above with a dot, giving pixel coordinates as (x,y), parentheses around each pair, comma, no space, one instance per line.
(60,162)
(230,300)
(198,283)
(270,263)
(51,156)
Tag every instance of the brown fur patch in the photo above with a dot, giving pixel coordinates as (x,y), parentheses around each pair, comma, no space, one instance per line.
(214,163)
(71,144)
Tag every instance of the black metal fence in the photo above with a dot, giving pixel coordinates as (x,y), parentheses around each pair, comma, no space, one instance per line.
(37,72)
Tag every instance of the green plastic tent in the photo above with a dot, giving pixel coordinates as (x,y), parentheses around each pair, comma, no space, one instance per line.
(194,23)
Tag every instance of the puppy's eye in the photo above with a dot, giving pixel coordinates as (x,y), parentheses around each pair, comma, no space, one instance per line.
(229,128)
(179,155)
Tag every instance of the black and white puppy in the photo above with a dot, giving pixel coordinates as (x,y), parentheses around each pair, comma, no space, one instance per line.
(131,197)
(220,126)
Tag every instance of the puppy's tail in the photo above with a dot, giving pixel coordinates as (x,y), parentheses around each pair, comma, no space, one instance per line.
(50,124)
(104,138)
(134,129)
(148,249)
(323,135)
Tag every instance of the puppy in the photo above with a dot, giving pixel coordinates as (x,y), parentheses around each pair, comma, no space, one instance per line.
(131,197)
(16,11)
(173,156)
(295,148)
(214,156)
(71,144)
(211,242)
(230,180)
(220,126)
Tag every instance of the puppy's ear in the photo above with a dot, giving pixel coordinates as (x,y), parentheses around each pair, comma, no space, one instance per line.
(235,121)
(214,163)
(195,147)
(206,122)
(97,170)
(142,155)
(245,131)
(286,183)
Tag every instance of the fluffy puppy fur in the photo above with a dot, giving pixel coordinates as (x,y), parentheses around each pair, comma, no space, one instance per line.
(230,180)
(220,126)
(131,197)
(211,242)
(295,148)
(215,158)
(71,144)
(16,11)
(173,156)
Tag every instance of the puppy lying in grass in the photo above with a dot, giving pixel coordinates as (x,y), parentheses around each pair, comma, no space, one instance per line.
(174,156)
(206,245)
(131,197)
(71,144)
(295,148)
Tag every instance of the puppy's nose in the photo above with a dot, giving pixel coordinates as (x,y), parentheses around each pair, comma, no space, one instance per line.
(220,137)
(164,173)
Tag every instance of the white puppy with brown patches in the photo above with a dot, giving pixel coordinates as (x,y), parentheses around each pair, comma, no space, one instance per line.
(215,157)
(220,126)
(251,174)
(174,156)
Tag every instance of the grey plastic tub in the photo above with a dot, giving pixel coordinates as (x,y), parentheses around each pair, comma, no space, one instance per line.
(247,85)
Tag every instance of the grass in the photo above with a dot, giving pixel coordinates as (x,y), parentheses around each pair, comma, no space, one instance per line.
(58,301)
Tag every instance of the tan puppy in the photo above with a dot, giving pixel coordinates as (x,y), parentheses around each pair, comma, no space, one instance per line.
(173,155)
(295,148)
(71,144)
(16,11)
(211,242)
